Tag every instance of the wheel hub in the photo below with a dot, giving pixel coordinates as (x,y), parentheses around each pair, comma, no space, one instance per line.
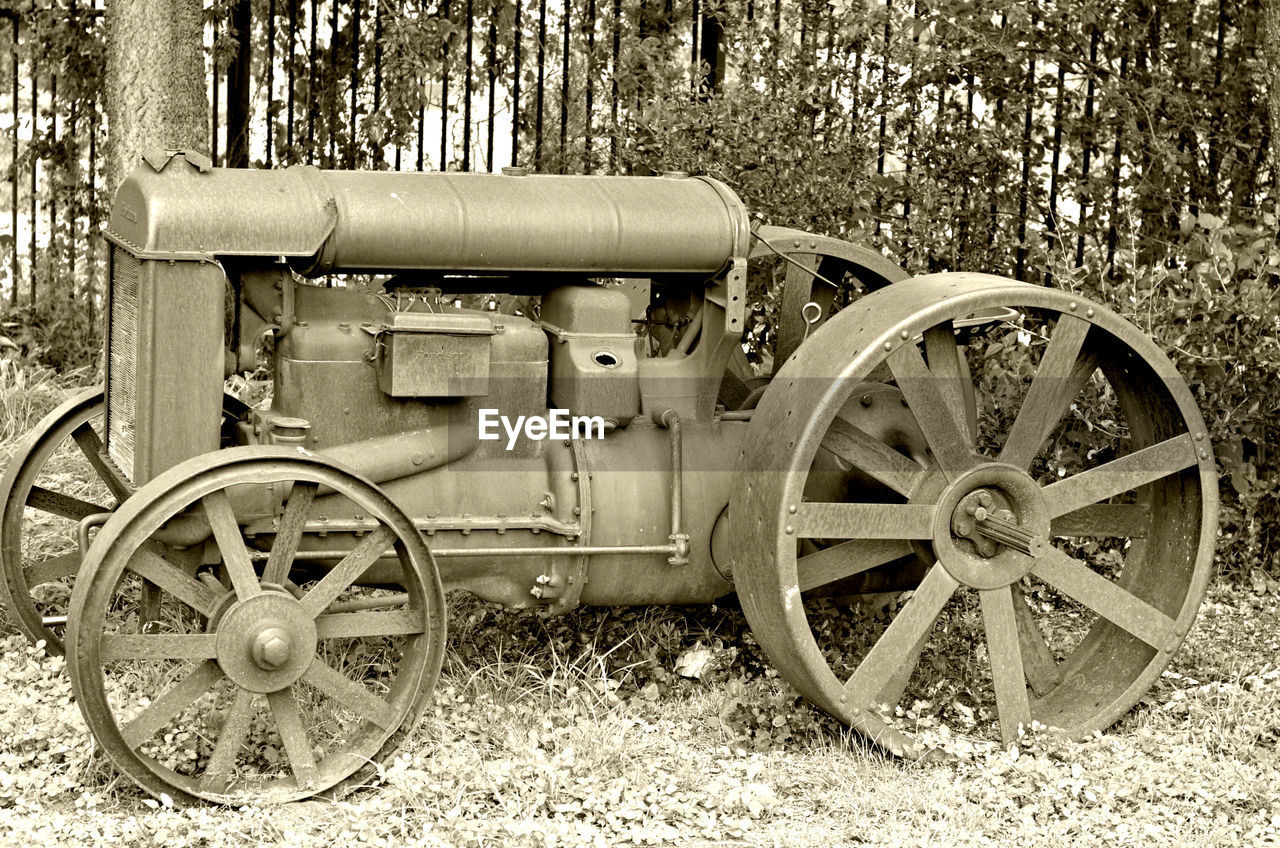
(992,524)
(266,643)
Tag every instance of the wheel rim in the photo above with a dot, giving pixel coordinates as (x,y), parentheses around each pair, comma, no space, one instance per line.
(56,478)
(252,688)
(1153,505)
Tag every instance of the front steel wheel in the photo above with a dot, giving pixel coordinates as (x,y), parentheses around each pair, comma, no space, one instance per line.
(251,680)
(1060,548)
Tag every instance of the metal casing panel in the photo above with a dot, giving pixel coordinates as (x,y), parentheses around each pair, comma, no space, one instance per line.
(433,365)
(164,376)
(180,212)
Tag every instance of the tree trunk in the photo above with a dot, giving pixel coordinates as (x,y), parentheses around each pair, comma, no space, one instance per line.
(1271,39)
(155,81)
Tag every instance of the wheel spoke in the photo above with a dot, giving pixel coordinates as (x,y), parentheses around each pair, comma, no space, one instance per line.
(1105,597)
(1133,520)
(53,568)
(154,568)
(351,695)
(289,533)
(86,438)
(847,559)
(297,747)
(945,434)
(1043,674)
(1121,475)
(999,619)
(219,772)
(67,506)
(873,457)
(366,624)
(1059,379)
(944,357)
(819,520)
(348,570)
(159,646)
(162,710)
(235,555)
(895,645)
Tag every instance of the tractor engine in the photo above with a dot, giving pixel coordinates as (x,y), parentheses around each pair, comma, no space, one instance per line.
(493,377)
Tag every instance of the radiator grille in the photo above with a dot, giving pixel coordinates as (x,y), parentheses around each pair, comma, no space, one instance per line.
(123,364)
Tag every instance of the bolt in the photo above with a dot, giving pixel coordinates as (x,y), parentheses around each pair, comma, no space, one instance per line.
(866,400)
(271,649)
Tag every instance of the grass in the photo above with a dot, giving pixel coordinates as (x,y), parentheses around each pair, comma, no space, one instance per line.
(579,731)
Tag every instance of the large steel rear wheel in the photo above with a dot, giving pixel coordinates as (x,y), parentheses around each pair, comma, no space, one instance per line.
(252,683)
(57,478)
(1064,546)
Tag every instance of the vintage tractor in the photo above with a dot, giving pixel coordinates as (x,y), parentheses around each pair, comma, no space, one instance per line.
(534,388)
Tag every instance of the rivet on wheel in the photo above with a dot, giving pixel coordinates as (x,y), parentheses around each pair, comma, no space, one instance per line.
(905,335)
(790,530)
(1089,312)
(888,346)
(1199,437)
(1073,306)
(792,509)
(1204,454)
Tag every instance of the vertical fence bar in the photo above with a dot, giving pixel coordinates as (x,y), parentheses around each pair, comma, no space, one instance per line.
(53,176)
(333,101)
(35,167)
(444,94)
(213,124)
(422,107)
(271,73)
(13,208)
(355,83)
(92,240)
(517,37)
(1024,191)
(564,95)
(1051,219)
(1113,232)
(493,84)
(542,75)
(313,55)
(613,88)
(1087,142)
(377,81)
(884,104)
(293,41)
(590,25)
(695,15)
(466,90)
